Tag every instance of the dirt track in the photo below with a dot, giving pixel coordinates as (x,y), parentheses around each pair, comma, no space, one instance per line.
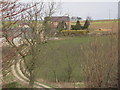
(20,76)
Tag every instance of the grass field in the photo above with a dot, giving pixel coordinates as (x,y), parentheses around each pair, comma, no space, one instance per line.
(96,22)
(82,22)
(102,24)
(62,59)
(57,54)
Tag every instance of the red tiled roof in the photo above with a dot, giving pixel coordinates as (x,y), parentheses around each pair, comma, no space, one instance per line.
(59,18)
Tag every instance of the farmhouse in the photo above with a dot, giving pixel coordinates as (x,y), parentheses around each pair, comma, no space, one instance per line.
(57,19)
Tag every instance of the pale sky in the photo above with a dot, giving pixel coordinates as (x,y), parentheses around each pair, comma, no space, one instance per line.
(97,9)
(74,0)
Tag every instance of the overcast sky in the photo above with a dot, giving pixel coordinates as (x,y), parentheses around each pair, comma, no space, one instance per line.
(97,9)
(75,0)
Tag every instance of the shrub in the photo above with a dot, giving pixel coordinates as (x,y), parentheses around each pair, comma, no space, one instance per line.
(13,85)
(72,27)
(78,26)
(100,67)
(62,26)
(76,32)
(86,25)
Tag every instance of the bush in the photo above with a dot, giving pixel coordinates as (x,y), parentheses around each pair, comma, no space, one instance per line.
(100,67)
(86,25)
(62,26)
(75,32)
(72,27)
(13,85)
(77,26)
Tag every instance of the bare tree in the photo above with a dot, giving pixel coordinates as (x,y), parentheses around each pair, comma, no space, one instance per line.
(37,36)
(34,38)
(50,9)
(14,13)
(9,12)
(100,67)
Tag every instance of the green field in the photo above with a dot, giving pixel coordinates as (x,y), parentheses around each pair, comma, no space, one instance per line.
(72,23)
(62,59)
(96,22)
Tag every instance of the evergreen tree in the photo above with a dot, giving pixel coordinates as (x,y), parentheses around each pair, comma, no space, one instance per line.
(86,25)
(78,25)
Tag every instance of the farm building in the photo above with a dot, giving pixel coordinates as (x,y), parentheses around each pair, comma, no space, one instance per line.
(58,19)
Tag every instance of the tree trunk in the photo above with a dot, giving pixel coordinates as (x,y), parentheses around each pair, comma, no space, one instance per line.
(56,79)
(32,79)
